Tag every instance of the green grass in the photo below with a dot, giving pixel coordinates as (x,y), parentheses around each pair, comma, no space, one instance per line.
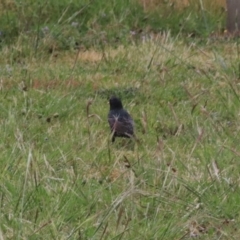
(47,26)
(62,178)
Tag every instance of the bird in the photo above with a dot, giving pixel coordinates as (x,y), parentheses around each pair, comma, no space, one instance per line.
(120,121)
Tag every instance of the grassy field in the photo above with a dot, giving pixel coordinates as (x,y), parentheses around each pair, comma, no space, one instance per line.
(62,178)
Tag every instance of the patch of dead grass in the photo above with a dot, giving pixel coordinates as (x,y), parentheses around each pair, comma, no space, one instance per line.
(179,4)
(90,56)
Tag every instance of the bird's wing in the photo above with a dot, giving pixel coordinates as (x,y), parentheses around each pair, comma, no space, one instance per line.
(121,122)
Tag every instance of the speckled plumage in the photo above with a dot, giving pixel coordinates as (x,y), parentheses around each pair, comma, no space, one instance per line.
(119,120)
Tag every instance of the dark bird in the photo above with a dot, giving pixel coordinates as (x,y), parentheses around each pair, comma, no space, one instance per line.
(119,119)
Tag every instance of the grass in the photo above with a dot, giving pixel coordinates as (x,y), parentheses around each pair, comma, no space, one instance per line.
(62,178)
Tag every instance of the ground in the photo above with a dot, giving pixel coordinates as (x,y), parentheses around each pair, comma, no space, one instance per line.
(63,178)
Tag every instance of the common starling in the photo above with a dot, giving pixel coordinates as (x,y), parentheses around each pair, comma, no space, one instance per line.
(119,119)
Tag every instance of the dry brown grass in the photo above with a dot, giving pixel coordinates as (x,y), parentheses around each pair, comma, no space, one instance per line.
(89,56)
(152,4)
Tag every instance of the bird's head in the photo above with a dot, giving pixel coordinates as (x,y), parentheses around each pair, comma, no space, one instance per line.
(115,103)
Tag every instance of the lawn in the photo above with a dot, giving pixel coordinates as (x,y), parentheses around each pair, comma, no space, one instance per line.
(63,178)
